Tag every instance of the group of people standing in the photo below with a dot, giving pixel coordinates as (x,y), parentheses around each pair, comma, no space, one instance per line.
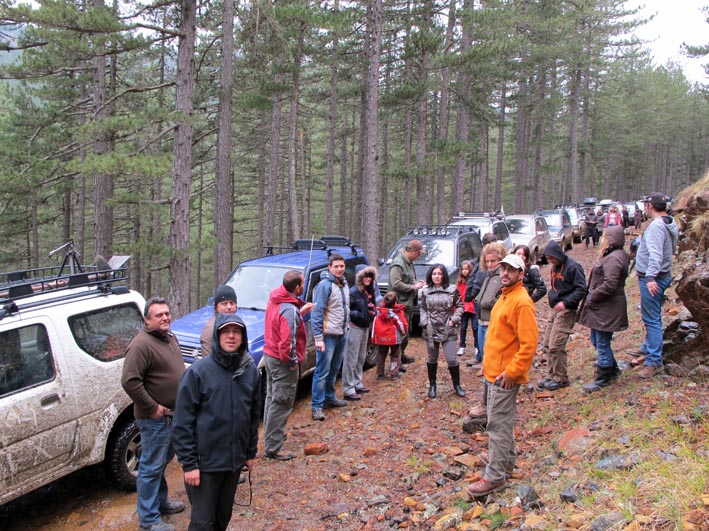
(208,415)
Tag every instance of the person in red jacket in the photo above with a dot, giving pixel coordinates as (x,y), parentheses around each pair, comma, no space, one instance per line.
(467,272)
(284,349)
(388,329)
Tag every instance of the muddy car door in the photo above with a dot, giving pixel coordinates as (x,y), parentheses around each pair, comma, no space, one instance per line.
(38,421)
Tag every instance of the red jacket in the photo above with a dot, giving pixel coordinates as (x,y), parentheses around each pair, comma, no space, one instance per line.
(468,307)
(389,325)
(284,331)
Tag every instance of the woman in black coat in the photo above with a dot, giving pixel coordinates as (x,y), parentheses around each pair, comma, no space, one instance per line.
(532,280)
(605,308)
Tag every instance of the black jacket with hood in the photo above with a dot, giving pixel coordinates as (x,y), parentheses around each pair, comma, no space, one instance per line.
(215,428)
(568,280)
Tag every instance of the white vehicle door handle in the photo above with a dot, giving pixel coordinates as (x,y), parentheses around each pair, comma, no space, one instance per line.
(49,400)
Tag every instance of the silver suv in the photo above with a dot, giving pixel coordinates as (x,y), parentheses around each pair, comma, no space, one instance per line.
(62,342)
(484,223)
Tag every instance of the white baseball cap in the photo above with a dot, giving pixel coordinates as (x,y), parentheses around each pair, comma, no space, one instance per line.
(514,261)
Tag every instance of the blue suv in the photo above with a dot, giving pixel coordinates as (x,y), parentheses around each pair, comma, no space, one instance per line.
(253,280)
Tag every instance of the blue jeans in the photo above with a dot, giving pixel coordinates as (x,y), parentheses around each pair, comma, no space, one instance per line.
(157,452)
(482,334)
(327,364)
(601,341)
(651,308)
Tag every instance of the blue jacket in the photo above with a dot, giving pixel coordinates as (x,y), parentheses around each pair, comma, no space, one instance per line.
(215,428)
(331,311)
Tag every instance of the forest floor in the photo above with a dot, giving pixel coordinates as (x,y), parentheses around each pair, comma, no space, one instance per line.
(632,456)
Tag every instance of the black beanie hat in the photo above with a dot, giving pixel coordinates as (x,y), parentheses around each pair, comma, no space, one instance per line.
(224,293)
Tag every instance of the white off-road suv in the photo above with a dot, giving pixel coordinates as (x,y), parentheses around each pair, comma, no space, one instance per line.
(62,342)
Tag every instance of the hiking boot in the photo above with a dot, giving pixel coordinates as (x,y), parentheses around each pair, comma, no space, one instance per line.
(361,390)
(279,456)
(649,371)
(542,384)
(172,507)
(407,359)
(555,386)
(635,353)
(335,402)
(485,487)
(352,397)
(318,414)
(402,369)
(158,526)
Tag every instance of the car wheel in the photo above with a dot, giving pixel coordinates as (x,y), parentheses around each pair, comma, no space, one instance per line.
(123,455)
(371,359)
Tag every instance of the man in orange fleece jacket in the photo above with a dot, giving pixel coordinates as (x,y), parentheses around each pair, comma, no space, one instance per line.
(511,342)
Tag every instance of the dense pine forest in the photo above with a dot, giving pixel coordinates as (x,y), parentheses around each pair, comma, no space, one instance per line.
(192,134)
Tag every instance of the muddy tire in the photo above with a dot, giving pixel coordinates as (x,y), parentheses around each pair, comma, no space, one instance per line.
(123,455)
(371,359)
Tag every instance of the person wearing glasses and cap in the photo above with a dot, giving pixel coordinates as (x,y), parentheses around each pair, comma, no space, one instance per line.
(215,428)
(654,265)
(224,302)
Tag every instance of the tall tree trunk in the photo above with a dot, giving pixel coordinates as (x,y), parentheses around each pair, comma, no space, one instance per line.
(500,147)
(462,122)
(331,129)
(261,200)
(273,166)
(444,105)
(573,171)
(224,183)
(585,111)
(293,221)
(370,242)
(103,181)
(182,166)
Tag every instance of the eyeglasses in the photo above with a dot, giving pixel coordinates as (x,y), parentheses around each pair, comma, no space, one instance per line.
(251,494)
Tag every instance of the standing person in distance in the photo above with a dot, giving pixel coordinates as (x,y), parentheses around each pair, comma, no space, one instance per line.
(591,220)
(654,267)
(605,309)
(466,273)
(284,350)
(441,311)
(613,217)
(152,370)
(567,288)
(388,330)
(511,343)
(362,303)
(532,281)
(216,424)
(402,279)
(224,302)
(330,321)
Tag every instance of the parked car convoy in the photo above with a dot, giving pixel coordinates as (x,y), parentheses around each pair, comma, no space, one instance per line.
(448,245)
(484,223)
(532,231)
(253,280)
(559,224)
(62,342)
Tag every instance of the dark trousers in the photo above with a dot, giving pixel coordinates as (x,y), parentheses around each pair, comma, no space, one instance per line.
(212,501)
(591,234)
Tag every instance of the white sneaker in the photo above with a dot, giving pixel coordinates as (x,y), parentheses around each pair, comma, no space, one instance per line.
(461,351)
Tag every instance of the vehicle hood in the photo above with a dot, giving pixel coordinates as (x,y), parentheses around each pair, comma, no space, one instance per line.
(188,328)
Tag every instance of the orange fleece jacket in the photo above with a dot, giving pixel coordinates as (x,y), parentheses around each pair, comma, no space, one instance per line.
(512,336)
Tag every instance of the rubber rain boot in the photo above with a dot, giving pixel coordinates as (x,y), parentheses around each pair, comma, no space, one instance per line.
(432,370)
(455,377)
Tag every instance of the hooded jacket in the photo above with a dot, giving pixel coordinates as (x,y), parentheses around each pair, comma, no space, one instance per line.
(489,293)
(402,279)
(215,428)
(440,306)
(284,331)
(361,297)
(389,326)
(331,311)
(605,307)
(657,246)
(568,280)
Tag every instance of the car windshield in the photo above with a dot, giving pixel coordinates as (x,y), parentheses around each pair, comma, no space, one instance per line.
(553,220)
(435,251)
(573,215)
(520,226)
(253,284)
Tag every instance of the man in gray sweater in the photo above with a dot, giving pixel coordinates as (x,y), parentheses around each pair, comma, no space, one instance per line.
(654,267)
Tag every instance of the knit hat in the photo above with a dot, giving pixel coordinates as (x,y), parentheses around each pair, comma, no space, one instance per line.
(514,261)
(224,293)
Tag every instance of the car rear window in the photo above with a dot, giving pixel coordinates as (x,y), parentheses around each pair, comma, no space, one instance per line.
(25,358)
(104,334)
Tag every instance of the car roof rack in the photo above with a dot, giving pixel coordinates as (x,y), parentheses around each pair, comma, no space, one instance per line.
(439,230)
(23,284)
(498,214)
(325,243)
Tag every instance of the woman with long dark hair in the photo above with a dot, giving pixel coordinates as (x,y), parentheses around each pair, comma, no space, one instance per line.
(441,311)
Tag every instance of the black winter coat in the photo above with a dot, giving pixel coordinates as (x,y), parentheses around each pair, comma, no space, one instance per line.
(568,280)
